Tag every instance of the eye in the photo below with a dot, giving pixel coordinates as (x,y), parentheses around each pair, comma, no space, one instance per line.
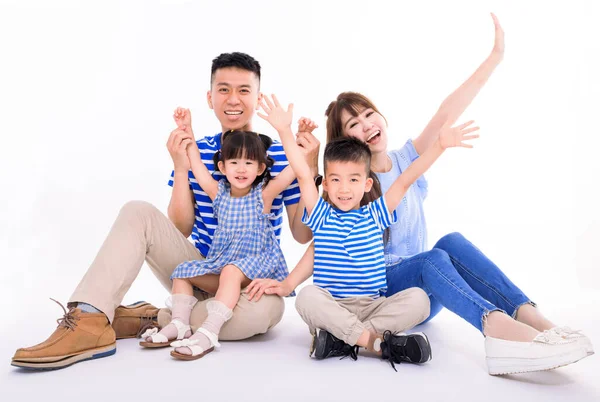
(245,91)
(353,124)
(354,180)
(335,180)
(233,162)
(223,90)
(369,113)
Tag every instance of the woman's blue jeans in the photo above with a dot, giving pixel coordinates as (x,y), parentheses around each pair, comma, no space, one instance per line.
(456,275)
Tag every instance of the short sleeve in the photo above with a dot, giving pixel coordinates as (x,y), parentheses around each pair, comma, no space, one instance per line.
(403,157)
(380,213)
(316,218)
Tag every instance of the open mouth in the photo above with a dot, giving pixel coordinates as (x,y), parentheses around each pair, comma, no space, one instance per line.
(241,178)
(344,199)
(373,138)
(233,112)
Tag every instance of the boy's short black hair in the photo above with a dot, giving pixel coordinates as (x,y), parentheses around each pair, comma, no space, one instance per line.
(237,60)
(347,149)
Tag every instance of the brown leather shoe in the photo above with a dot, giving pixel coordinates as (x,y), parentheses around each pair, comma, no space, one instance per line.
(131,321)
(78,337)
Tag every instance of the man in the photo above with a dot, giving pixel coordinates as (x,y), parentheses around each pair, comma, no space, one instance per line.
(141,232)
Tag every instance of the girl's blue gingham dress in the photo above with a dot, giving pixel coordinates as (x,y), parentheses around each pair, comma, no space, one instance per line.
(244,237)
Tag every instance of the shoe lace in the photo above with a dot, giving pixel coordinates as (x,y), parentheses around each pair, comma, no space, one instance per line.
(68,320)
(341,348)
(395,353)
(147,322)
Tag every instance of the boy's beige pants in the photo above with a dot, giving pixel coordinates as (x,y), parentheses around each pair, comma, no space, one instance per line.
(141,232)
(347,318)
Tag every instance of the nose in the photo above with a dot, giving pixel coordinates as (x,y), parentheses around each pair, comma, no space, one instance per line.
(233,98)
(366,125)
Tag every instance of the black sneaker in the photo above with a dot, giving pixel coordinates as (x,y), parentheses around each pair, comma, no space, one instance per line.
(412,348)
(326,345)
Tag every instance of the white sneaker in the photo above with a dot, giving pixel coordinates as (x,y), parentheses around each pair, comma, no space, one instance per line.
(547,351)
(577,336)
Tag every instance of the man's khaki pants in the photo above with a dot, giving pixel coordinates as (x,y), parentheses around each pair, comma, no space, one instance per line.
(141,232)
(348,318)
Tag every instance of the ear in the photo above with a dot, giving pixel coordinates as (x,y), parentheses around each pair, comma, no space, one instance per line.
(325,186)
(209,99)
(368,185)
(221,167)
(261,168)
(260,98)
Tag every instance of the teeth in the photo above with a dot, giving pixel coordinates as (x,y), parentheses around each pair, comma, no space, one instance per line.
(233,113)
(373,135)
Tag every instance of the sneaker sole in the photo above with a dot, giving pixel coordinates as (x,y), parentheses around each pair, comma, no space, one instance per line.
(423,342)
(501,366)
(320,340)
(42,363)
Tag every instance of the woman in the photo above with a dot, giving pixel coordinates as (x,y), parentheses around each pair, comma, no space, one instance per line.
(455,273)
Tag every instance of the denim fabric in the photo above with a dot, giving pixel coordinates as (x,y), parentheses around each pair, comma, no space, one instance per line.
(456,275)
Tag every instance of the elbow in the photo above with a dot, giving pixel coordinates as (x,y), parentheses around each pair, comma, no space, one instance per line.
(302,236)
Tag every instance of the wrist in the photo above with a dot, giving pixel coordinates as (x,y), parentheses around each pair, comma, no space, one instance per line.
(181,172)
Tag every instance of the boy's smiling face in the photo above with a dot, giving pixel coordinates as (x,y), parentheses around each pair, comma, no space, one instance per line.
(346,183)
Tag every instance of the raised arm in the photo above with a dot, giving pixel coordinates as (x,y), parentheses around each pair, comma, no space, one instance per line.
(275,186)
(456,103)
(281,120)
(448,137)
(183,119)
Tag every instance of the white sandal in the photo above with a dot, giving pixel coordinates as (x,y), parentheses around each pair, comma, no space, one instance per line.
(192,344)
(158,340)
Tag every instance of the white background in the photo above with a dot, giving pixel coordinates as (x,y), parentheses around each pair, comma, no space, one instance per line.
(87,91)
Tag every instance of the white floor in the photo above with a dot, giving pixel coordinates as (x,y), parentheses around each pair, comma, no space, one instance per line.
(276,366)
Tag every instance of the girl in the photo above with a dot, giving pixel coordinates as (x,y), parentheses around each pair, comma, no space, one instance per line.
(349,264)
(244,245)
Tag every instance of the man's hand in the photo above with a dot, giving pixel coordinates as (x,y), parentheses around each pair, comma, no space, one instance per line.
(183,117)
(178,142)
(258,287)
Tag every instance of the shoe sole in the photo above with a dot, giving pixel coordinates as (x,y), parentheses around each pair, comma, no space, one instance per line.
(319,343)
(181,356)
(502,366)
(423,342)
(42,363)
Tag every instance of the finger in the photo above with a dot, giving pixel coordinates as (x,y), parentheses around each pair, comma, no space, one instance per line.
(495,19)
(469,137)
(269,103)
(184,144)
(275,101)
(262,116)
(264,106)
(290,108)
(464,125)
(251,286)
(301,141)
(466,145)
(273,290)
(253,292)
(259,294)
(470,130)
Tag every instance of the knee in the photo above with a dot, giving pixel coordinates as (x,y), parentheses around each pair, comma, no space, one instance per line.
(136,208)
(420,300)
(437,256)
(306,297)
(450,240)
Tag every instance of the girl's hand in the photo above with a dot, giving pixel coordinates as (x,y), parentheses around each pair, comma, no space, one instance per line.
(498,38)
(258,287)
(276,115)
(454,136)
(182,117)
(306,125)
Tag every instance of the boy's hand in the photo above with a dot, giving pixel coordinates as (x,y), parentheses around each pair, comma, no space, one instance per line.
(454,136)
(276,115)
(258,287)
(183,118)
(306,125)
